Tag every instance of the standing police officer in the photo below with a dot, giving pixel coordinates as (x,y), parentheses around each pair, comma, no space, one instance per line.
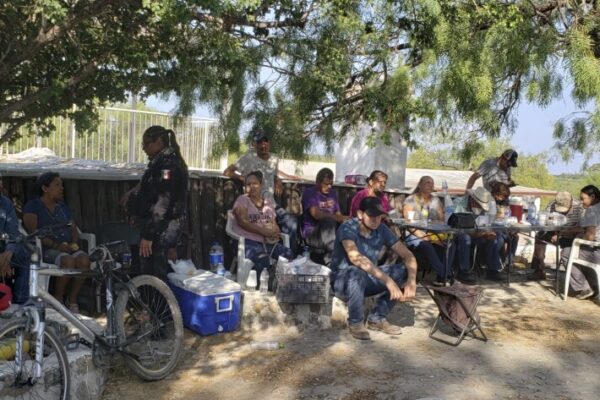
(159,201)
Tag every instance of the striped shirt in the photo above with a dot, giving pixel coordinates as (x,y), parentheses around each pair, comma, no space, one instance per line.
(573,215)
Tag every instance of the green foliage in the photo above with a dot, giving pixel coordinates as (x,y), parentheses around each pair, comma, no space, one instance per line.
(306,69)
(531,172)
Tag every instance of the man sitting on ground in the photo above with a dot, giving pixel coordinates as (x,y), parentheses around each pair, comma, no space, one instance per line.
(321,214)
(355,274)
(478,202)
(572,209)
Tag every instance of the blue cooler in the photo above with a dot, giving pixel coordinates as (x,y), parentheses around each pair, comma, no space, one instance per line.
(209,303)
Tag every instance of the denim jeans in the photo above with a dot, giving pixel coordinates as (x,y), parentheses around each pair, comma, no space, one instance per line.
(20,262)
(512,240)
(434,256)
(352,285)
(255,251)
(288,223)
(488,247)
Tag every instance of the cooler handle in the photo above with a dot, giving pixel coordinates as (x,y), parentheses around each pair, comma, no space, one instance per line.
(227,308)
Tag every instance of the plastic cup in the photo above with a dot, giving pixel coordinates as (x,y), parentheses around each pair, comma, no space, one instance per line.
(516,210)
(411,216)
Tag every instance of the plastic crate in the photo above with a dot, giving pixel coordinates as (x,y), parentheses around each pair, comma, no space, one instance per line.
(292,288)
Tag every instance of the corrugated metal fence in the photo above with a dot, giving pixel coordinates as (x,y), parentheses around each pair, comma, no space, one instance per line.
(118,138)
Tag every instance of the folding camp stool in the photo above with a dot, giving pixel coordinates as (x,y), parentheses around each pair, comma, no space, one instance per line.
(457,305)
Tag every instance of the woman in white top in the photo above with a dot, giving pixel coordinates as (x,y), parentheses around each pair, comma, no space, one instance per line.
(584,281)
(255,220)
(429,249)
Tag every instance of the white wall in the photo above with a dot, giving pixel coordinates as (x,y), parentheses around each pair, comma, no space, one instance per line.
(355,157)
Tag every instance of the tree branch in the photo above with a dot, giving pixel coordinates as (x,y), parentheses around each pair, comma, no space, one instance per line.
(46,36)
(19,105)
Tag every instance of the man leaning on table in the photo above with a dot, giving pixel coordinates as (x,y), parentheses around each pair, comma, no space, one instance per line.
(355,274)
(563,204)
(496,169)
(478,202)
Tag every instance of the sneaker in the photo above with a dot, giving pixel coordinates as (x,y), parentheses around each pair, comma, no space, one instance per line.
(73,307)
(537,275)
(384,326)
(466,277)
(438,282)
(584,294)
(495,276)
(358,331)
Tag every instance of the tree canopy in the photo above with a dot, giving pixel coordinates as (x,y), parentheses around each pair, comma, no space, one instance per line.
(307,69)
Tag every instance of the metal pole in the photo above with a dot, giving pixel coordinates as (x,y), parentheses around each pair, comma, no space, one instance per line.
(132,130)
(73,135)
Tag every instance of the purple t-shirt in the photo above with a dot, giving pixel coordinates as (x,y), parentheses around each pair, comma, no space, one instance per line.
(360,195)
(312,197)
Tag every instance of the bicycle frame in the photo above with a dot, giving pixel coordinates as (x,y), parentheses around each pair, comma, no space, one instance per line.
(34,311)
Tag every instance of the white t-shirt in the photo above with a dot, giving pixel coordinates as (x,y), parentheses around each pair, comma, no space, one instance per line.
(491,172)
(250,162)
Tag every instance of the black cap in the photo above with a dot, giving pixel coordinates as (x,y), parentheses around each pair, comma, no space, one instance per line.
(260,135)
(371,206)
(511,155)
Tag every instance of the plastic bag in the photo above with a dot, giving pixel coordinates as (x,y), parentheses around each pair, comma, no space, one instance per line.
(300,266)
(186,267)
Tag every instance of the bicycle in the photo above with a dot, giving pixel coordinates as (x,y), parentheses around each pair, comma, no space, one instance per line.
(144,325)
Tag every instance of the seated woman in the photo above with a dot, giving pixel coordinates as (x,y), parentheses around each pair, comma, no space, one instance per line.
(583,280)
(429,249)
(255,220)
(376,183)
(46,209)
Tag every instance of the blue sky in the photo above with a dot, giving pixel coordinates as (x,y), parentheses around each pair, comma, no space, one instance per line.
(533,134)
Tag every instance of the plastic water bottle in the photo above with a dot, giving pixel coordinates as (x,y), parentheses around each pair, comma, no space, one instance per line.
(221,269)
(425,213)
(271,345)
(306,252)
(215,256)
(532,212)
(448,203)
(264,281)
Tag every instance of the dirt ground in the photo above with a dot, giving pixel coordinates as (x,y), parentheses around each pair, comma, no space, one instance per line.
(538,347)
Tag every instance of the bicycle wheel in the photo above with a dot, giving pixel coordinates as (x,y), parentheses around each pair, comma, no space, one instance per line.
(149,327)
(18,382)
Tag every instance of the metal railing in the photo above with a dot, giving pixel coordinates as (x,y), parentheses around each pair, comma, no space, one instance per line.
(118,138)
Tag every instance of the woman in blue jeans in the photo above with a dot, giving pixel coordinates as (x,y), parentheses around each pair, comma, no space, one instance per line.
(430,250)
(255,220)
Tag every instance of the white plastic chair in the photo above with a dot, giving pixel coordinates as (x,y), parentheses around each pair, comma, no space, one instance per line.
(574,259)
(244,265)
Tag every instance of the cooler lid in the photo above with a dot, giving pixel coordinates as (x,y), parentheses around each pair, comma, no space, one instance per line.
(206,283)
